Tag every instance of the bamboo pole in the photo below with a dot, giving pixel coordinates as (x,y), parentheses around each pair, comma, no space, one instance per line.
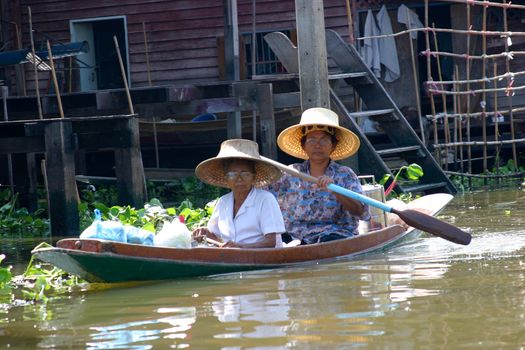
(478,114)
(416,84)
(484,95)
(467,66)
(55,81)
(70,75)
(508,54)
(5,91)
(123,72)
(146,50)
(446,127)
(429,79)
(457,121)
(485,79)
(496,120)
(460,124)
(475,91)
(481,143)
(351,37)
(254,65)
(485,3)
(148,69)
(502,34)
(35,70)
(21,70)
(510,93)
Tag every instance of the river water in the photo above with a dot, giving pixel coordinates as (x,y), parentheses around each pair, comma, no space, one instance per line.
(426,294)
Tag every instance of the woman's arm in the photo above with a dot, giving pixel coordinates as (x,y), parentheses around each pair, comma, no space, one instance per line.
(199,233)
(268,242)
(354,207)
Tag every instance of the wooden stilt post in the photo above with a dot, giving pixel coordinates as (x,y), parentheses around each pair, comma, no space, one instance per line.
(311,47)
(129,169)
(232,64)
(267,132)
(60,170)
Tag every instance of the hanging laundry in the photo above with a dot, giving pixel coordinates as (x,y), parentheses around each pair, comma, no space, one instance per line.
(370,47)
(387,47)
(409,18)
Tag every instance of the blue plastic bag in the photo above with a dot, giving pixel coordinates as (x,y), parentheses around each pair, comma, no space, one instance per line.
(109,230)
(137,235)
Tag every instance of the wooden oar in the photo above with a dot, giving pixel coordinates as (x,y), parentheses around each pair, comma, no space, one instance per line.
(412,217)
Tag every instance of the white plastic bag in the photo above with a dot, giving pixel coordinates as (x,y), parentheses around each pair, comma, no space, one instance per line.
(173,234)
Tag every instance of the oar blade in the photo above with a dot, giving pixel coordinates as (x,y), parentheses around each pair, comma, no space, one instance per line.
(433,225)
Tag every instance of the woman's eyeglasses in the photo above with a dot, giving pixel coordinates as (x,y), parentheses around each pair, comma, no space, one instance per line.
(245,175)
(309,128)
(325,141)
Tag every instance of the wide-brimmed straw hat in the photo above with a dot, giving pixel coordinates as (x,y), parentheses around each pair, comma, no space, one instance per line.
(289,140)
(212,170)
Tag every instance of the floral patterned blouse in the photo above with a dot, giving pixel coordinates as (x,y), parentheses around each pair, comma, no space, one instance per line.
(310,213)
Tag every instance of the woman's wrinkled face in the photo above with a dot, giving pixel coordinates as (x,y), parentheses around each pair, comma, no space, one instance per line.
(240,175)
(318,145)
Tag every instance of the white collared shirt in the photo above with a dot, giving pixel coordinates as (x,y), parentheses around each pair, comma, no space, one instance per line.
(258,215)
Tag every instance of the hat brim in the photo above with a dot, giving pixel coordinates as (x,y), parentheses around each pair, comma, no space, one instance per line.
(212,172)
(289,141)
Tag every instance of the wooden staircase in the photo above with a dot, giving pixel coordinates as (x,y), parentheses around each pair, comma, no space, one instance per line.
(377,158)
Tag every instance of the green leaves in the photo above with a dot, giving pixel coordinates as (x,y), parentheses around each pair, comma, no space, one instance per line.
(5,273)
(18,221)
(414,171)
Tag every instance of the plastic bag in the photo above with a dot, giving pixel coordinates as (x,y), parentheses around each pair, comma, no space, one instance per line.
(110,230)
(137,235)
(173,234)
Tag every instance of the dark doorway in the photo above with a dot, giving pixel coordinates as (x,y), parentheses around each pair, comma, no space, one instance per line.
(101,68)
(108,67)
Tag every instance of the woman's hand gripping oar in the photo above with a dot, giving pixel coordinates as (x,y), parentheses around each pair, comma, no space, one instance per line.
(412,217)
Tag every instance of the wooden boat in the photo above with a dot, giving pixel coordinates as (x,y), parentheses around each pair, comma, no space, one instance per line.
(106,261)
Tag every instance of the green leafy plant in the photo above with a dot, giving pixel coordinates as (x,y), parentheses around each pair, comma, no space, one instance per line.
(40,280)
(411,172)
(18,221)
(5,274)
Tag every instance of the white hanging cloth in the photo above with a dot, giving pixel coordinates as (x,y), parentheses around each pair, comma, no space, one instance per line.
(387,47)
(410,19)
(371,46)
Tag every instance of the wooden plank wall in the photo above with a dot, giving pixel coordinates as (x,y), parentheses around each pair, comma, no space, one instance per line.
(182,34)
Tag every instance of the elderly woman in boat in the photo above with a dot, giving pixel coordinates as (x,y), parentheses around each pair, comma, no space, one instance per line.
(312,213)
(247,217)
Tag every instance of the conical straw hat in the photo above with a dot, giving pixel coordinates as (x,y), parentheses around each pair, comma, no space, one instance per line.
(289,140)
(212,170)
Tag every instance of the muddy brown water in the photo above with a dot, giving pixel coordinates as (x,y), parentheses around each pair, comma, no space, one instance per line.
(426,294)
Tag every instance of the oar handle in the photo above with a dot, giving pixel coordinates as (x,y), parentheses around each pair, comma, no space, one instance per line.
(359,197)
(335,188)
